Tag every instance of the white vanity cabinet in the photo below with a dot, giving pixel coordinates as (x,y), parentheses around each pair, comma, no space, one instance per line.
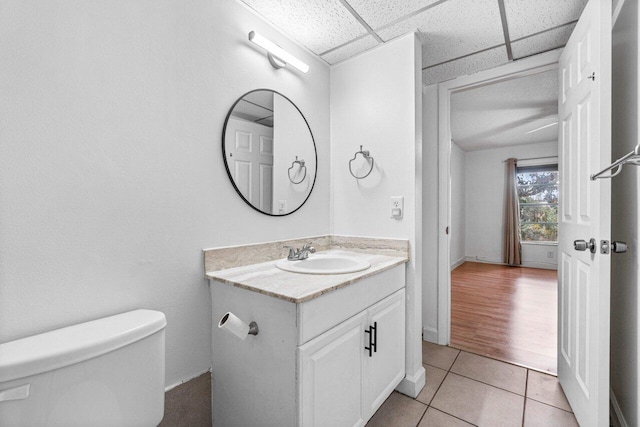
(308,365)
(346,373)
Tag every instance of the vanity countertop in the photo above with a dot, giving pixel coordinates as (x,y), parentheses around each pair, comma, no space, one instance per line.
(268,279)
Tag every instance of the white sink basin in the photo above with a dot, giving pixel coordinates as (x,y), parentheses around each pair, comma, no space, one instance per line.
(324,264)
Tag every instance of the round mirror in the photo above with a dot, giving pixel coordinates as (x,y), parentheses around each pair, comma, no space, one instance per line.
(269,152)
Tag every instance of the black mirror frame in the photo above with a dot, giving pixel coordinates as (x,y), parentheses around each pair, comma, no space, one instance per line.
(226,164)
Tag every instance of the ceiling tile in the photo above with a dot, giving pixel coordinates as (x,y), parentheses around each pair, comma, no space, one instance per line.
(452,29)
(505,113)
(349,50)
(542,42)
(526,17)
(377,13)
(468,65)
(318,25)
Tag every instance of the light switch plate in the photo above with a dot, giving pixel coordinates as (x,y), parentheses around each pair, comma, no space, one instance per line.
(397,207)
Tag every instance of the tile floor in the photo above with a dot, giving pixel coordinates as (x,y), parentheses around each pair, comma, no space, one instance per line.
(464,389)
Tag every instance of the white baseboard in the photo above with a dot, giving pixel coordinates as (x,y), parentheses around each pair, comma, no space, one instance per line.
(412,386)
(172,386)
(430,334)
(458,263)
(616,415)
(542,265)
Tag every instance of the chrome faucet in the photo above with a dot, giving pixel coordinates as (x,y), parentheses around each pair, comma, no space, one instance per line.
(300,254)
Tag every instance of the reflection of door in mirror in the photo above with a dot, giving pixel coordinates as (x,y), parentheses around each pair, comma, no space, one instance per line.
(251,161)
(292,140)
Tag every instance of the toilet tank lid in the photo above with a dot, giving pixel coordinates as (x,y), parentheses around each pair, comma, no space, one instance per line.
(77,343)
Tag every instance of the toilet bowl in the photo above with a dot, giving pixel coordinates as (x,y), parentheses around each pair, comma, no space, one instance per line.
(107,372)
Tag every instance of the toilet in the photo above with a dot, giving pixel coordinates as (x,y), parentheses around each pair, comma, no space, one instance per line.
(107,372)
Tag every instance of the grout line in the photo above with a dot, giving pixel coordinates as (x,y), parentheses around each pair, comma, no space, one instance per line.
(454,416)
(490,385)
(524,405)
(553,406)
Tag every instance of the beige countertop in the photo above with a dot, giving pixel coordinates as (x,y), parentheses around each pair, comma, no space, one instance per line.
(268,279)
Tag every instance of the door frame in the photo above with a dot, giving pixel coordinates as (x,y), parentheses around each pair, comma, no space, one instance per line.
(525,67)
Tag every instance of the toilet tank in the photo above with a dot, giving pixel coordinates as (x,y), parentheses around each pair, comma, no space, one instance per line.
(107,372)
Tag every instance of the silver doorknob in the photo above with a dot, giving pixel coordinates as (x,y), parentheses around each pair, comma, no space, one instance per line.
(619,247)
(581,245)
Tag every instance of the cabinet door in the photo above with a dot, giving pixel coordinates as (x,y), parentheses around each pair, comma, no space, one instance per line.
(384,369)
(330,377)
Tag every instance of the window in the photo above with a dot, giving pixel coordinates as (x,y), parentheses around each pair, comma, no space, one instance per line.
(538,198)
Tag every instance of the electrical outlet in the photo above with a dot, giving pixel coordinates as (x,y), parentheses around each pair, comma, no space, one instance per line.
(397,207)
(550,254)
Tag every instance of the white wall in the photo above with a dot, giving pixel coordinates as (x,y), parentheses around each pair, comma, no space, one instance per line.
(111,172)
(458,206)
(485,205)
(376,101)
(291,139)
(625,376)
(430,213)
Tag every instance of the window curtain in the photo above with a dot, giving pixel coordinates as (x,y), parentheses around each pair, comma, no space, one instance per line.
(511,251)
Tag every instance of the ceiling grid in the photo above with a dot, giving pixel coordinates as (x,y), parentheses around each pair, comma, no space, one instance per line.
(459,37)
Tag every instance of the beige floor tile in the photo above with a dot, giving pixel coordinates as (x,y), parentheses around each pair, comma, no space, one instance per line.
(439,356)
(435,418)
(434,377)
(546,389)
(538,414)
(478,403)
(398,411)
(493,372)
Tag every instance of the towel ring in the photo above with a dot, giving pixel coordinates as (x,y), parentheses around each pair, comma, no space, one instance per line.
(302,166)
(365,154)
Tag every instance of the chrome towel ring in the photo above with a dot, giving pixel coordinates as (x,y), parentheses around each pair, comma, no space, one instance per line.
(367,156)
(302,166)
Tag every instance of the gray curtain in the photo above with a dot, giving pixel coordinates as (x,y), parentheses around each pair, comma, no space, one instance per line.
(511,252)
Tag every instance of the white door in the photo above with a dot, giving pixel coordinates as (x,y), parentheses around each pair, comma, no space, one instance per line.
(330,369)
(251,161)
(585,209)
(384,368)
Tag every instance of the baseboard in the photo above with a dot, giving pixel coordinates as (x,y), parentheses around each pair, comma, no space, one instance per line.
(541,265)
(430,334)
(458,263)
(616,415)
(172,386)
(412,386)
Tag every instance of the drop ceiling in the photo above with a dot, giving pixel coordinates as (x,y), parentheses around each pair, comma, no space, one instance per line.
(458,37)
(514,112)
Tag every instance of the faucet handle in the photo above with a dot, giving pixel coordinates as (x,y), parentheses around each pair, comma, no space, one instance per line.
(308,247)
(293,252)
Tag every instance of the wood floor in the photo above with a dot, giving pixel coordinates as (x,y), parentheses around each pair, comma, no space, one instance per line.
(507,313)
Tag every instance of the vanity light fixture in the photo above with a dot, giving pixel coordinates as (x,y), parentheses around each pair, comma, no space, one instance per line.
(278,57)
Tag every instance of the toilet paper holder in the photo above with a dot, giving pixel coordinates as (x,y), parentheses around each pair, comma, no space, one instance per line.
(235,326)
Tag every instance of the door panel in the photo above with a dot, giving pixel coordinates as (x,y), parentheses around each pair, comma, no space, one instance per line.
(585,206)
(330,369)
(385,368)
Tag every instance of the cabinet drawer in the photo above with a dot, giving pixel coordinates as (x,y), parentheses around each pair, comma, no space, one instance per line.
(321,314)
